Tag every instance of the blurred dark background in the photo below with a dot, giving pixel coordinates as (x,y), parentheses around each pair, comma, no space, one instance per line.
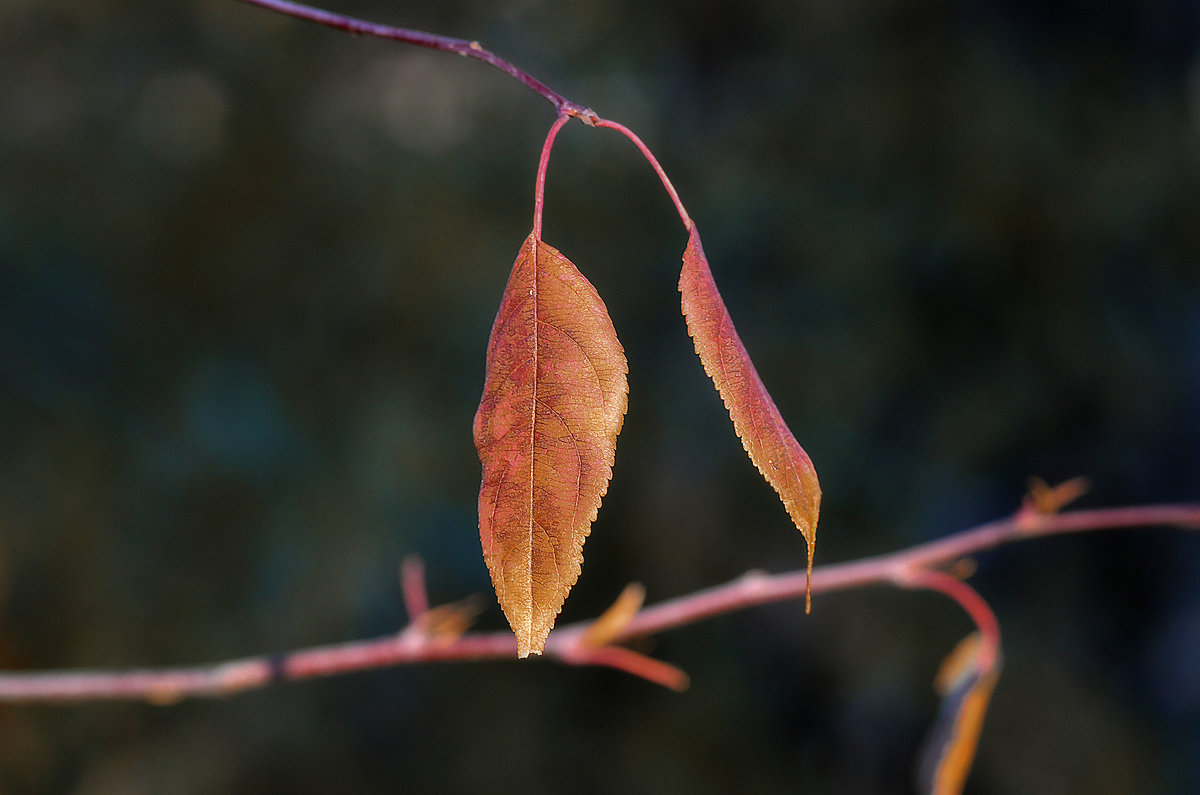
(247,271)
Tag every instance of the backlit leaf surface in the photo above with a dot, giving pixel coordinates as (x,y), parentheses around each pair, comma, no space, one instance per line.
(764,434)
(553,403)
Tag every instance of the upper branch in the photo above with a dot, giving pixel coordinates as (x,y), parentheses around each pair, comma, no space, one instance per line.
(468,49)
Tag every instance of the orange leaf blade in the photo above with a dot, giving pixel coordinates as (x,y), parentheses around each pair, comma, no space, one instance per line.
(610,623)
(764,434)
(546,430)
(966,681)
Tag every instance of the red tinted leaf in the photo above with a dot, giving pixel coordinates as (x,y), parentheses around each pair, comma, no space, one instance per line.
(965,682)
(764,434)
(546,430)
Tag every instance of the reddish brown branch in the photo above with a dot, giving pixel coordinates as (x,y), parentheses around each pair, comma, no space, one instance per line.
(414,645)
(412,587)
(972,604)
(756,588)
(468,49)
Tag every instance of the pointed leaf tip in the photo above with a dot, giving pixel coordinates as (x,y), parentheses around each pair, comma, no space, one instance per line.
(554,400)
(764,434)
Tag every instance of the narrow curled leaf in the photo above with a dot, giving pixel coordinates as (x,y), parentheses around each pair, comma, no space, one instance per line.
(553,403)
(764,434)
(965,683)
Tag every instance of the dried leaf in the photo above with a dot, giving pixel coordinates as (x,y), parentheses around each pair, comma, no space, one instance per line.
(764,434)
(553,403)
(965,682)
(445,624)
(610,623)
(1047,500)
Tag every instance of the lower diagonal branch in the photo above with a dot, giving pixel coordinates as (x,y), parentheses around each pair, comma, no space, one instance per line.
(168,685)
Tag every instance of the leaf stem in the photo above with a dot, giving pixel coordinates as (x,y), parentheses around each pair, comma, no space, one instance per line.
(658,169)
(566,108)
(472,49)
(972,604)
(539,187)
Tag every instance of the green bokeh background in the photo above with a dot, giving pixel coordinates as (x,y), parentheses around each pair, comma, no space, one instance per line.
(247,271)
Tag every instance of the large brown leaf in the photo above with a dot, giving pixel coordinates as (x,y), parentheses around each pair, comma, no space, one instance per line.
(553,403)
(764,434)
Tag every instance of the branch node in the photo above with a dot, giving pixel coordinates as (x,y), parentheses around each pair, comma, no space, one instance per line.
(755,580)
(585,115)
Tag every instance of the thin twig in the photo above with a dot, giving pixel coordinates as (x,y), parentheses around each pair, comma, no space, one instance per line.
(468,49)
(758,588)
(658,169)
(412,587)
(974,605)
(172,684)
